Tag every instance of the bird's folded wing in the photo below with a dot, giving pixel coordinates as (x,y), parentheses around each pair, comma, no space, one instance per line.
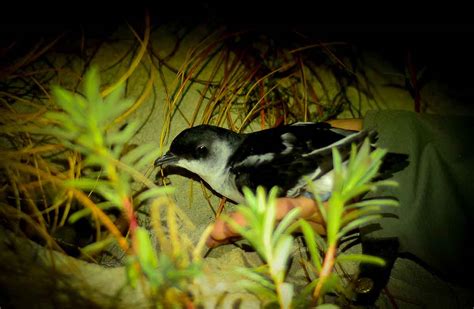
(291,158)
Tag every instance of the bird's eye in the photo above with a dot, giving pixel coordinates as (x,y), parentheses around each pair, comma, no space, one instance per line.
(201,151)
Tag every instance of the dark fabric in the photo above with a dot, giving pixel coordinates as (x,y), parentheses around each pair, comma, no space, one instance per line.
(436,190)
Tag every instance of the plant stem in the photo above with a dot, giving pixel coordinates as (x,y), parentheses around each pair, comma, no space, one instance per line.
(131,215)
(280,294)
(328,264)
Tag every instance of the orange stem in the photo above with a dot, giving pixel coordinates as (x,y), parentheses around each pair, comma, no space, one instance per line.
(131,216)
(328,264)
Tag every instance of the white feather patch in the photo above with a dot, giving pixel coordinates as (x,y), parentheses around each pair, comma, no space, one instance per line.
(255,160)
(339,142)
(287,140)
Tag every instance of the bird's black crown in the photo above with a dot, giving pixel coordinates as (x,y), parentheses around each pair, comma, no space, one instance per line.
(196,142)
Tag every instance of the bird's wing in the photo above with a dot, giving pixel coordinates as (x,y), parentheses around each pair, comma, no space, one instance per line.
(289,155)
(296,139)
(283,171)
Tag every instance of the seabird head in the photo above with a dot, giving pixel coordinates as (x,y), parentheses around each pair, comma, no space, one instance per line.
(203,150)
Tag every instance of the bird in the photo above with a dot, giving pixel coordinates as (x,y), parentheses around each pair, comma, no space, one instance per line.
(285,156)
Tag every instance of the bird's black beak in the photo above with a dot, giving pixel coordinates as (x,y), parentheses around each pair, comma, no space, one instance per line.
(167,159)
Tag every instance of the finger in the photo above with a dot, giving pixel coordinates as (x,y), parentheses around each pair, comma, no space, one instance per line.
(354,124)
(211,242)
(222,231)
(307,206)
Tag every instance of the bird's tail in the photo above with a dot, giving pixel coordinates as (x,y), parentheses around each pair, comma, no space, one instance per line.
(391,163)
(344,145)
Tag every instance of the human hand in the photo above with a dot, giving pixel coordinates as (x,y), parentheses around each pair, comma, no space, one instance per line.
(354,124)
(222,233)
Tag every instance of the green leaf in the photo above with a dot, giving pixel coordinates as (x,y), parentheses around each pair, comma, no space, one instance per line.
(321,208)
(135,154)
(119,109)
(87,211)
(79,214)
(258,290)
(373,202)
(94,160)
(91,87)
(115,96)
(310,238)
(69,103)
(352,158)
(85,183)
(256,278)
(146,253)
(111,195)
(272,195)
(352,215)
(370,173)
(97,246)
(177,276)
(62,119)
(261,200)
(363,153)
(284,224)
(357,223)
(132,272)
(386,183)
(59,133)
(378,154)
(337,161)
(333,223)
(148,158)
(357,191)
(362,258)
(154,192)
(249,215)
(280,257)
(123,136)
(249,196)
(268,209)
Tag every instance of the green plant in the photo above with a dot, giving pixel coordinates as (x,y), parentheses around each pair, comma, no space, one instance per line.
(84,125)
(107,174)
(274,242)
(49,148)
(273,245)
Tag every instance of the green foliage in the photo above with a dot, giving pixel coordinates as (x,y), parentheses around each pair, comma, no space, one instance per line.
(351,182)
(162,271)
(273,245)
(341,215)
(85,124)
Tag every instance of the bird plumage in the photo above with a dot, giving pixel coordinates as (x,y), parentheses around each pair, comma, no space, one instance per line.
(285,156)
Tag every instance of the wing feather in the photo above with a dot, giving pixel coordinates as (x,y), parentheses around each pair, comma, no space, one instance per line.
(289,154)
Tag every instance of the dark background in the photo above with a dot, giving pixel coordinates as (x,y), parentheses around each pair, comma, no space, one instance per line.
(439,37)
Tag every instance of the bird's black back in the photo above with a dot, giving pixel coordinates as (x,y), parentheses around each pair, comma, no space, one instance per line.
(308,137)
(287,166)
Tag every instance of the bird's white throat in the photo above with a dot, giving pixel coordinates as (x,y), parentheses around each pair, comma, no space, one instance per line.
(214,170)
